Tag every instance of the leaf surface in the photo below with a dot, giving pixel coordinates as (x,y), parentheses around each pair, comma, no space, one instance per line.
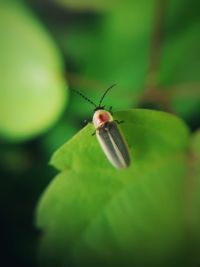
(92,213)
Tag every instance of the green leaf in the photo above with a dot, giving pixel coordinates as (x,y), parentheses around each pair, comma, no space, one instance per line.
(95,215)
(33,91)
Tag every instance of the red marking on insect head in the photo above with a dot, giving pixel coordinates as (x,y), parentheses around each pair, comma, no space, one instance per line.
(104,117)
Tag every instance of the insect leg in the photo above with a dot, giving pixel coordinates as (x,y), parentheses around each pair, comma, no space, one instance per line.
(85,122)
(119,122)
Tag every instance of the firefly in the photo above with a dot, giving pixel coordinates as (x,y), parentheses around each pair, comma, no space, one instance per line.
(109,135)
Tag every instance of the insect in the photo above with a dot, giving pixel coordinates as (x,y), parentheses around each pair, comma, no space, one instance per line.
(108,134)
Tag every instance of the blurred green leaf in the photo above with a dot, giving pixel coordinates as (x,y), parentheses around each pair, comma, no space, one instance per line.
(95,215)
(180,57)
(33,91)
(122,51)
(195,144)
(115,47)
(193,208)
(85,5)
(111,48)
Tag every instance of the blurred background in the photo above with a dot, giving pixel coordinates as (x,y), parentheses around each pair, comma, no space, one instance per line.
(150,49)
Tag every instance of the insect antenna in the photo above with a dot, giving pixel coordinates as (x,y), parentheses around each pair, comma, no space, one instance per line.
(84,97)
(102,98)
